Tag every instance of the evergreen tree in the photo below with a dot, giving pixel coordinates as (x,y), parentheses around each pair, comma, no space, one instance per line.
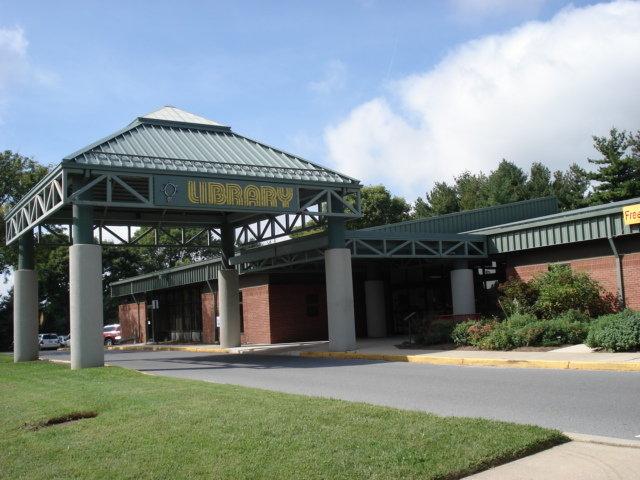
(442,199)
(472,191)
(570,187)
(618,171)
(539,183)
(506,184)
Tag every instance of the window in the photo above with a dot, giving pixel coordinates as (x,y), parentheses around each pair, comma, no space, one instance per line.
(312,301)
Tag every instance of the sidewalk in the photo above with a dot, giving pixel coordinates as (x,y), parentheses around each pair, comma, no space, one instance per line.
(577,357)
(576,460)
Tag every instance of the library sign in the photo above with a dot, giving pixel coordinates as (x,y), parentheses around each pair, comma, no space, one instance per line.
(631,214)
(224,193)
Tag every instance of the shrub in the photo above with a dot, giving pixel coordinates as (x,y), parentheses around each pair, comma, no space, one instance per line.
(517,297)
(460,333)
(560,289)
(438,332)
(470,332)
(548,333)
(501,337)
(619,332)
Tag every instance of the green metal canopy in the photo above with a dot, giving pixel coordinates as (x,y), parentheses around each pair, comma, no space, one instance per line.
(173,168)
(172,140)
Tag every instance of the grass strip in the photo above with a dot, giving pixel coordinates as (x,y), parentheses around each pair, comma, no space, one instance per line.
(157,427)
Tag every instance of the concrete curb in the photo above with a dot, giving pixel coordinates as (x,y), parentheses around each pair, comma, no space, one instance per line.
(611,441)
(481,362)
(168,348)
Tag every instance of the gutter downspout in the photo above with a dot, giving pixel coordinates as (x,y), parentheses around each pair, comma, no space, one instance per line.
(619,278)
(138,315)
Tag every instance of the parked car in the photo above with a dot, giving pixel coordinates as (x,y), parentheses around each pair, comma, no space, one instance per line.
(111,334)
(65,340)
(48,340)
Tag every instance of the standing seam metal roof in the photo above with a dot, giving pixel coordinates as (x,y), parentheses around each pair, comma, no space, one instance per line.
(473,219)
(174,140)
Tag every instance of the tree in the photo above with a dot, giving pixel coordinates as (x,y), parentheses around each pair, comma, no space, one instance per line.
(570,187)
(380,207)
(507,184)
(539,183)
(421,209)
(19,174)
(442,199)
(618,171)
(472,191)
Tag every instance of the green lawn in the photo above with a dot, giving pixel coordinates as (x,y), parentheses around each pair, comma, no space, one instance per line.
(155,427)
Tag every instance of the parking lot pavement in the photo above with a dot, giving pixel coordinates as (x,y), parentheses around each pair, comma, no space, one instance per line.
(596,403)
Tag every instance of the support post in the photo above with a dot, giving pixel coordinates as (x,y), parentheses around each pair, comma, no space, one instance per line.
(85,292)
(25,303)
(339,284)
(229,292)
(375,304)
(462,290)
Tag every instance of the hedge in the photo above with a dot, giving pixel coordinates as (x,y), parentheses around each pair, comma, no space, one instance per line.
(618,332)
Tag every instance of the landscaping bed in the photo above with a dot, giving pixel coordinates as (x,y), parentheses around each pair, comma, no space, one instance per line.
(558,308)
(116,423)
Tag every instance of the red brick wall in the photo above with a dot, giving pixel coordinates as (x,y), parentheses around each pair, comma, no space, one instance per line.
(602,269)
(256,318)
(208,317)
(631,277)
(289,319)
(132,325)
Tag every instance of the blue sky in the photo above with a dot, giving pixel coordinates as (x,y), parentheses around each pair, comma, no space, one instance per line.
(309,77)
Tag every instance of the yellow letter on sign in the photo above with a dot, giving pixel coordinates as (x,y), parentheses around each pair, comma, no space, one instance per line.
(631,214)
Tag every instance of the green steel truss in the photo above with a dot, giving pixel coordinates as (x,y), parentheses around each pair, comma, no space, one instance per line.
(365,245)
(125,199)
(174,169)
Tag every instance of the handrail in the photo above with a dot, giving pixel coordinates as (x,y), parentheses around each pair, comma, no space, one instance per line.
(412,314)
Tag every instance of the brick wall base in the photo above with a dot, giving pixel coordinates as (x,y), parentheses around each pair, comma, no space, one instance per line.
(298,313)
(133,321)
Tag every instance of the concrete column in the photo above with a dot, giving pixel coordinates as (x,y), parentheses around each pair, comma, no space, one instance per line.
(25,303)
(339,284)
(85,292)
(462,291)
(229,292)
(376,308)
(228,288)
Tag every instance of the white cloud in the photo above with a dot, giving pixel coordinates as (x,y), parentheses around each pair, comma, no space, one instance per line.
(335,78)
(15,67)
(13,55)
(535,93)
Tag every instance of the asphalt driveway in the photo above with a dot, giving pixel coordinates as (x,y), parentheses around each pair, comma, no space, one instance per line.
(597,403)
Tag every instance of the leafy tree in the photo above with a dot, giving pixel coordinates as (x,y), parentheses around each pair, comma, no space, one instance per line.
(380,207)
(19,174)
(618,171)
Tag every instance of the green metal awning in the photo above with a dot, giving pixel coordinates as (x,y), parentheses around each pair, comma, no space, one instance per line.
(581,225)
(199,272)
